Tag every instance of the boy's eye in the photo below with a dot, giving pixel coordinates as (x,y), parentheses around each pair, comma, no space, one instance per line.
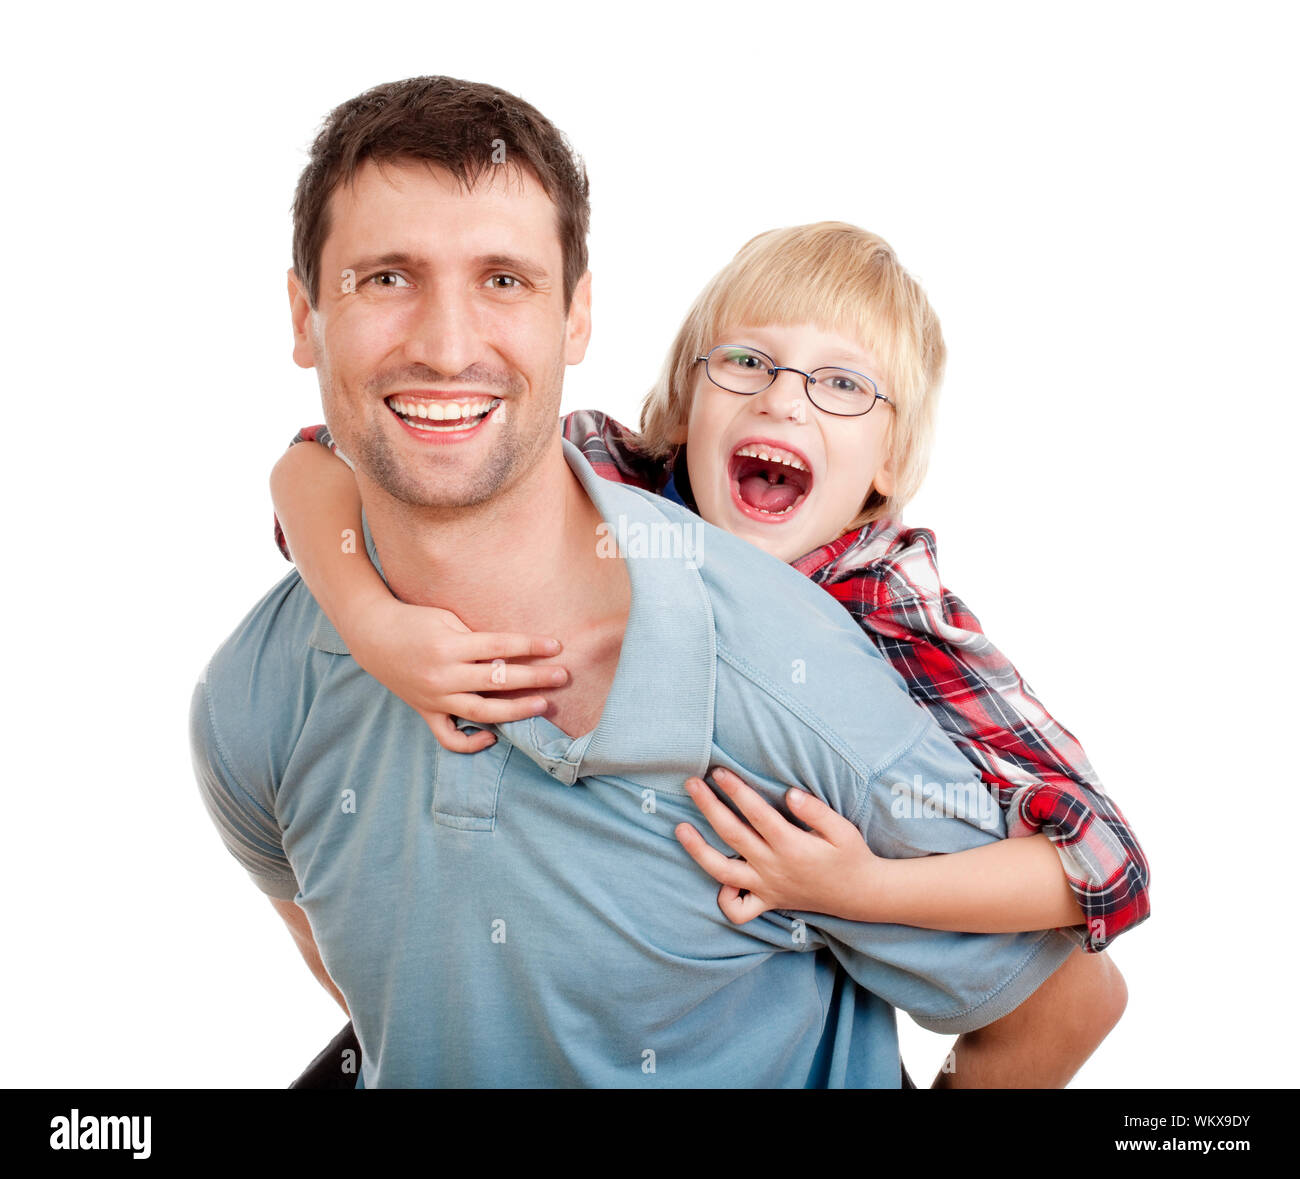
(739,358)
(846,390)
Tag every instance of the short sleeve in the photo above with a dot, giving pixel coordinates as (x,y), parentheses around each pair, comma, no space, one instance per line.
(246,823)
(929,801)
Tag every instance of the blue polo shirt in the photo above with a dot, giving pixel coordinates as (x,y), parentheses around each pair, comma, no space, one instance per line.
(524,916)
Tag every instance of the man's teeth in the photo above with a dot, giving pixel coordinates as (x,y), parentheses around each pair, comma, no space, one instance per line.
(465,414)
(771,455)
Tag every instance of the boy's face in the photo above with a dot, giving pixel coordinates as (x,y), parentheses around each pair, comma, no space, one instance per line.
(783,509)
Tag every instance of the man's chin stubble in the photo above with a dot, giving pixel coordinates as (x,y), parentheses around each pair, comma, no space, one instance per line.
(376,459)
(510,458)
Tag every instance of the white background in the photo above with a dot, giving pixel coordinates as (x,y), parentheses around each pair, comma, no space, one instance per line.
(1100,201)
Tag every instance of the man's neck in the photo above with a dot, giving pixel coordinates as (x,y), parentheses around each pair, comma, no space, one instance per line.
(526,560)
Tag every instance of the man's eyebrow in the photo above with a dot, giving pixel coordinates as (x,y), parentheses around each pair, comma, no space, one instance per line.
(378,261)
(533,271)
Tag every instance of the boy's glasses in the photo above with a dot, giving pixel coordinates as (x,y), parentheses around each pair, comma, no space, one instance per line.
(839,391)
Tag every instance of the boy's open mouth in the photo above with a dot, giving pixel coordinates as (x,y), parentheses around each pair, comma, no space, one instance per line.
(768,482)
(444,416)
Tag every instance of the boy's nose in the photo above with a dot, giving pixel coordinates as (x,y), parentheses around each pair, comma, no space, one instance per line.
(785,398)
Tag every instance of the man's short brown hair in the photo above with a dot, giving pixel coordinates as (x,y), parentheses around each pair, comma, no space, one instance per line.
(464,127)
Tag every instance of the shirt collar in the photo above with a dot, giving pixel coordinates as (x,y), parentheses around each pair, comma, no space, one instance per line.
(657,724)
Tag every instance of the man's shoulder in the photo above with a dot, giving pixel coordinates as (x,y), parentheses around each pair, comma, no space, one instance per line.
(783,637)
(755,594)
(280,623)
(260,682)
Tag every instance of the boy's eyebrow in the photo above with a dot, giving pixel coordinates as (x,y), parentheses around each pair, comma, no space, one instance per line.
(844,360)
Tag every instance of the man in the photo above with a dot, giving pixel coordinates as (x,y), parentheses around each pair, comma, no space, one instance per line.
(524,915)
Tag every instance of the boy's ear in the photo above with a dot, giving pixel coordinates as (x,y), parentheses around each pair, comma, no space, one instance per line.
(884,480)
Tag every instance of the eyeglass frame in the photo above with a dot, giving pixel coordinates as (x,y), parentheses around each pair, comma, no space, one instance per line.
(808,380)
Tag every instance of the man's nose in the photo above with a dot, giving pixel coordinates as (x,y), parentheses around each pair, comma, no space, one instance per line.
(444,334)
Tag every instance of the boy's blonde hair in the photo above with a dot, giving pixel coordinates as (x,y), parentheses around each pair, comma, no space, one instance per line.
(842,279)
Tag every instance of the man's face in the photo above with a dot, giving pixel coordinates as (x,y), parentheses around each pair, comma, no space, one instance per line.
(440,335)
(773,468)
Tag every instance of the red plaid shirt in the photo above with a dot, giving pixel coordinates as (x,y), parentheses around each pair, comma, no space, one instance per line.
(886,576)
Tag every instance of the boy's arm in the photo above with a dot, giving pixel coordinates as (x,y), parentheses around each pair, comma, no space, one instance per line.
(318,510)
(1002,887)
(424,655)
(1034,767)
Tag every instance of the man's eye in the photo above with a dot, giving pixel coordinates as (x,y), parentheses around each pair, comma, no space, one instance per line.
(503,282)
(390,279)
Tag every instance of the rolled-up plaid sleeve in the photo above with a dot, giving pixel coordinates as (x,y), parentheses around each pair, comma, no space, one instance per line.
(887,577)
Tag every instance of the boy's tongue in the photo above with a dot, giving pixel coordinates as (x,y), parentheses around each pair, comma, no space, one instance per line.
(756,491)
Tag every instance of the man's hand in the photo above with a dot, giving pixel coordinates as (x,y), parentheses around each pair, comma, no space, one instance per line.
(1044,1041)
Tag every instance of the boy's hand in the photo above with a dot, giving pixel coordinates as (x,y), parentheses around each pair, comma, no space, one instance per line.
(435,663)
(827,870)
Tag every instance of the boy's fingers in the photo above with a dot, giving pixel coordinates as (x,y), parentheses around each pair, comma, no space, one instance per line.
(450,620)
(487,710)
(826,821)
(738,907)
(476,647)
(500,676)
(734,833)
(452,739)
(767,820)
(725,871)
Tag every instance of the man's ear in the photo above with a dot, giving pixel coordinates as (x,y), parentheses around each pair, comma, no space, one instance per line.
(578,329)
(304,343)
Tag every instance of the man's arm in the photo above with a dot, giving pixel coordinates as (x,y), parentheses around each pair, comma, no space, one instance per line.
(1044,1041)
(244,814)
(298,925)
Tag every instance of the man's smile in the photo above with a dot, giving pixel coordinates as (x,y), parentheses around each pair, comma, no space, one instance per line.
(442,416)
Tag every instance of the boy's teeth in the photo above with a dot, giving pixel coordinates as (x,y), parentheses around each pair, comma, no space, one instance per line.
(769,455)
